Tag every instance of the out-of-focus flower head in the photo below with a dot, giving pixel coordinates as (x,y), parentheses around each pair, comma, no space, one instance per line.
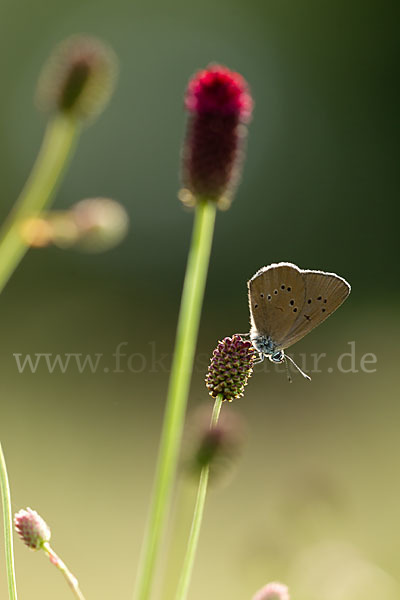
(219,105)
(78,78)
(32,529)
(273,591)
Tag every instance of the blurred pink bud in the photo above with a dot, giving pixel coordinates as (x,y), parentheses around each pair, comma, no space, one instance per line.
(32,529)
(273,591)
(101,223)
(218,447)
(92,225)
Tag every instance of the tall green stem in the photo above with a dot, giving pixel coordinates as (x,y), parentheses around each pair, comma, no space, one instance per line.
(57,146)
(185,345)
(188,562)
(8,528)
(56,149)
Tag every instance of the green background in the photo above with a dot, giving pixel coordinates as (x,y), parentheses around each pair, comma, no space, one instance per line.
(315,498)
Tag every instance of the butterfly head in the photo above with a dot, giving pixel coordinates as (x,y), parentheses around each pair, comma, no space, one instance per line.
(277,357)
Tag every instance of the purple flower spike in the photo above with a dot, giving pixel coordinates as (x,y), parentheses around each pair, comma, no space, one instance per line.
(230,367)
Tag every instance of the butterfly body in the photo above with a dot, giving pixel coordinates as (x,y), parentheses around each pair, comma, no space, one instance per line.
(287,302)
(265,346)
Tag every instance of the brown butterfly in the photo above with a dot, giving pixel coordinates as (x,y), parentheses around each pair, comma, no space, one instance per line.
(286,303)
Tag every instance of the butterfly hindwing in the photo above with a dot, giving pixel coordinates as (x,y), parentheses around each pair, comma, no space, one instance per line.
(324,293)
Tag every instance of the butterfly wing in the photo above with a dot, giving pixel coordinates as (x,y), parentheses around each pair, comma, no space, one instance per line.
(276,296)
(324,293)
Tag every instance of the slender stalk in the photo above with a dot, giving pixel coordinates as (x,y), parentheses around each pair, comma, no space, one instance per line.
(216,411)
(187,568)
(8,528)
(185,345)
(71,579)
(56,149)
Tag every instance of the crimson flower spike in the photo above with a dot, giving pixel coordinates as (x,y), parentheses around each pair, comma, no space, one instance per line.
(220,105)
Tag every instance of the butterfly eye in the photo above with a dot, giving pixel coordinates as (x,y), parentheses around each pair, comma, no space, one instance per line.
(289,289)
(319,298)
(309,301)
(269,297)
(256,306)
(324,310)
(261,295)
(325,301)
(291,302)
(275,291)
(282,287)
(295,309)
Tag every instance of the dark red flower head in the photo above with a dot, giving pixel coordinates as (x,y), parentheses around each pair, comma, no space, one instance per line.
(219,104)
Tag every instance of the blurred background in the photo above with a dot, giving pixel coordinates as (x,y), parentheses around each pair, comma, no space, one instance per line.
(314,500)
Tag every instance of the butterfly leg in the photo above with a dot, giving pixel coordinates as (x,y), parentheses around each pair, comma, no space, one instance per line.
(260,358)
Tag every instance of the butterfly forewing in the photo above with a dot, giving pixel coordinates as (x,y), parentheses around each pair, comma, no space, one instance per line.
(324,293)
(276,297)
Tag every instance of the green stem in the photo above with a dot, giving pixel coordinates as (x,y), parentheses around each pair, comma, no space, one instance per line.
(185,345)
(8,528)
(216,410)
(188,562)
(56,149)
(70,578)
(57,146)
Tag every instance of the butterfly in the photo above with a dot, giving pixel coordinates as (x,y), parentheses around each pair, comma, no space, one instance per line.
(287,302)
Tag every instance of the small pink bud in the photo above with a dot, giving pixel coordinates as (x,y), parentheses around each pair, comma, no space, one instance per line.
(92,225)
(32,529)
(219,104)
(101,223)
(218,447)
(273,591)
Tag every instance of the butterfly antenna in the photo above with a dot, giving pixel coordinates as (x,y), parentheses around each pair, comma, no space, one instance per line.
(287,371)
(297,367)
